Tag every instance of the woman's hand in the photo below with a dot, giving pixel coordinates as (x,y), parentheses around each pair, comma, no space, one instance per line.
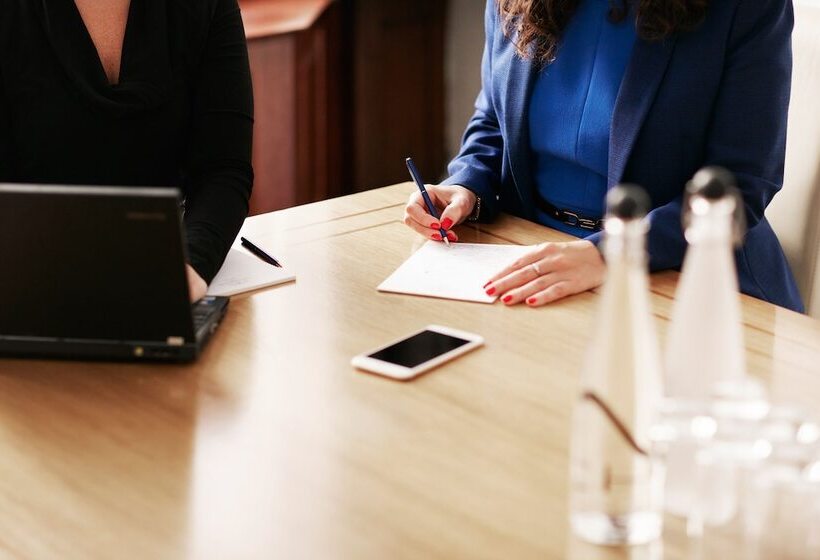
(549,272)
(454,203)
(197,288)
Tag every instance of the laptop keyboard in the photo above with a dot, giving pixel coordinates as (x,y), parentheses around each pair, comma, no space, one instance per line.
(203,310)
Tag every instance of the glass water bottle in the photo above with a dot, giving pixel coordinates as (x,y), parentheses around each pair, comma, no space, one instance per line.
(705,349)
(616,483)
(706,337)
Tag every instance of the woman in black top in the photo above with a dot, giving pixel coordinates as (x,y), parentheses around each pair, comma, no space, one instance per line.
(176,111)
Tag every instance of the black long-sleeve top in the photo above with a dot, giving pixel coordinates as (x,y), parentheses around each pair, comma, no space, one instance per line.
(181,115)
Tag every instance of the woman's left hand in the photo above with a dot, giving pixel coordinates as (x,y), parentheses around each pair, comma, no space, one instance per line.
(197,287)
(551,271)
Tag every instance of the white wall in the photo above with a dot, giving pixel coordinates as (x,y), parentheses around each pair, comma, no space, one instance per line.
(464,46)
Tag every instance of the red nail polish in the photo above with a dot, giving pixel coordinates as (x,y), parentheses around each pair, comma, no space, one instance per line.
(491,292)
(507,299)
(436,237)
(447,223)
(451,236)
(532,301)
(435,226)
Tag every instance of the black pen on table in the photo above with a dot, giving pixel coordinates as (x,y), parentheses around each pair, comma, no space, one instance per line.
(431,208)
(259,252)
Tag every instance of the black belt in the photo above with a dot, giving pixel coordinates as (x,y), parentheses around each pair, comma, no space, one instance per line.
(567,216)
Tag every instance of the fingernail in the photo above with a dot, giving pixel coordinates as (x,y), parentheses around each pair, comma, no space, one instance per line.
(487,284)
(435,226)
(532,301)
(451,236)
(507,299)
(491,292)
(447,223)
(436,237)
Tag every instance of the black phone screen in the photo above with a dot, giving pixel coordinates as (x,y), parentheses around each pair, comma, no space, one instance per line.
(419,348)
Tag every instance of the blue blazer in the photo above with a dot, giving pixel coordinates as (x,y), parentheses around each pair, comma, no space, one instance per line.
(716,96)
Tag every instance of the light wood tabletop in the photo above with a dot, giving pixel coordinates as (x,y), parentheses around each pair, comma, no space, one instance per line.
(272,446)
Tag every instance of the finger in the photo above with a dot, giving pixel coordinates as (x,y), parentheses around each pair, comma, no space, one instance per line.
(197,293)
(197,288)
(455,212)
(439,195)
(521,276)
(525,291)
(557,291)
(433,234)
(451,216)
(534,256)
(417,210)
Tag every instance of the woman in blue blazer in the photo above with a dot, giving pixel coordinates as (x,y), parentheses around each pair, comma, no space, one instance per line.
(579,95)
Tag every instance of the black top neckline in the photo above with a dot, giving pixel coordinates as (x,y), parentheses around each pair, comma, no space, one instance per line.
(182,115)
(125,45)
(144,80)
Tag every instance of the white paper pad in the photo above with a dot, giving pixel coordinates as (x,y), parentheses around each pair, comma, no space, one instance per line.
(243,272)
(456,272)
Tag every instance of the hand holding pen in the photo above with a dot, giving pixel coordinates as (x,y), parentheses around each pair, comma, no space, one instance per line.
(455,203)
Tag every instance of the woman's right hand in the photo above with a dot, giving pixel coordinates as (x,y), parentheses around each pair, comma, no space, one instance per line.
(453,202)
(197,287)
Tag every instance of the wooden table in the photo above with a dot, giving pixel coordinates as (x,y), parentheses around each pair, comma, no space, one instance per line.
(273,447)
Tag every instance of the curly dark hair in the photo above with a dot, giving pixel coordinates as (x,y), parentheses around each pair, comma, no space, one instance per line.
(537,25)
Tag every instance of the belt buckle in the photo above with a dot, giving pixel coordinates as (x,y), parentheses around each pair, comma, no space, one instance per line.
(570,218)
(586,223)
(574,220)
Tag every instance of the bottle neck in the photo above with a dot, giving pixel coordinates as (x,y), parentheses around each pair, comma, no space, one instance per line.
(623,366)
(625,242)
(711,222)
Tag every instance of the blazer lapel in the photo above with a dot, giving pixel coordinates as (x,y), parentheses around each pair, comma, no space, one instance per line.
(638,90)
(520,79)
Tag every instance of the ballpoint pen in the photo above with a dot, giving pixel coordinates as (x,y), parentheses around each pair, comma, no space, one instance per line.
(259,252)
(431,208)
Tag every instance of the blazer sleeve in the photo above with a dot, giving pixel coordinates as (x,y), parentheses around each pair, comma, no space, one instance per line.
(478,164)
(747,134)
(219,171)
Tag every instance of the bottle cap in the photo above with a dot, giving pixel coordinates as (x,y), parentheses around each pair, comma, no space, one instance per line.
(712,183)
(716,185)
(627,202)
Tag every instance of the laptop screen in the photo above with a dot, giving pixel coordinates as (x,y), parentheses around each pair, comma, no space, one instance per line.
(92,263)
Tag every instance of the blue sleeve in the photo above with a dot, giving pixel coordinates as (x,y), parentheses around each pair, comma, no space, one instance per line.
(747,134)
(478,164)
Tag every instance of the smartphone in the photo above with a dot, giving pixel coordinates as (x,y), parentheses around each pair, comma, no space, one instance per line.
(418,353)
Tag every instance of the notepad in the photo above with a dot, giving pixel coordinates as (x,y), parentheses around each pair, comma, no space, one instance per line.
(457,272)
(243,272)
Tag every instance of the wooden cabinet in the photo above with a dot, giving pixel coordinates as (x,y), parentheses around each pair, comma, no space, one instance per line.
(296,62)
(344,91)
(396,58)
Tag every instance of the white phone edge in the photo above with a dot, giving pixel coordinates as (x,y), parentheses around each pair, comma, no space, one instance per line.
(394,371)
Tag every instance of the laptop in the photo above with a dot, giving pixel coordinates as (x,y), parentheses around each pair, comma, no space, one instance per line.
(98,273)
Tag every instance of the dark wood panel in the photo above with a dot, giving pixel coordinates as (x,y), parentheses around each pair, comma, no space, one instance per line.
(297,92)
(273,62)
(344,96)
(397,60)
(319,96)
